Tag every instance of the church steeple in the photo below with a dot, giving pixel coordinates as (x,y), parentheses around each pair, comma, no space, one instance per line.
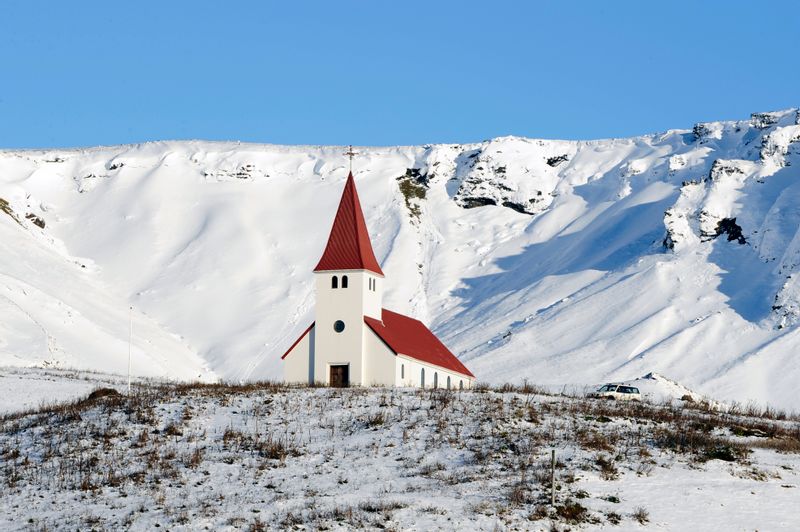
(349,246)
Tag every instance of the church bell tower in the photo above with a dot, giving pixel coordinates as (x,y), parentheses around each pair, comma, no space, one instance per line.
(349,287)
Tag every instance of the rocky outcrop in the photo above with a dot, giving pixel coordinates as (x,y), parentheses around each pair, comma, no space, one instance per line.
(786,307)
(705,131)
(681,217)
(776,145)
(764,120)
(414,187)
(488,177)
(721,169)
(245,171)
(556,160)
(728,226)
(35,220)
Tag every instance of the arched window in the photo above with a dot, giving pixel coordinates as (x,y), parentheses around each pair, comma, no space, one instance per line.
(422,378)
(448,382)
(460,385)
(435,379)
(334,282)
(344,281)
(402,371)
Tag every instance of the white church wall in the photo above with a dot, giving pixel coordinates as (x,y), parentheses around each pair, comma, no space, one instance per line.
(409,373)
(380,363)
(298,365)
(373,295)
(346,305)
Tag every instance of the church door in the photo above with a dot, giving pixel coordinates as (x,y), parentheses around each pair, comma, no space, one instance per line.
(340,376)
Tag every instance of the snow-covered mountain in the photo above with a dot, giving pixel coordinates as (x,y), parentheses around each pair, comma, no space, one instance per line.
(560,262)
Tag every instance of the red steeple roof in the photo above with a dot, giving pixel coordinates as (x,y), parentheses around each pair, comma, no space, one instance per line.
(349,247)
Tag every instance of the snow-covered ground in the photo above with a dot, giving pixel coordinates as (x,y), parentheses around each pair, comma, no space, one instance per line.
(268,458)
(23,389)
(560,262)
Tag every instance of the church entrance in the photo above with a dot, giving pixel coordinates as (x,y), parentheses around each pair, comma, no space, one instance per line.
(340,376)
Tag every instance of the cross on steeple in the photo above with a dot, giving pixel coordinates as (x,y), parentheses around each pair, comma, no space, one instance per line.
(350,153)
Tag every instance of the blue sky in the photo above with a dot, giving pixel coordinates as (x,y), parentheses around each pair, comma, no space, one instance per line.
(383,73)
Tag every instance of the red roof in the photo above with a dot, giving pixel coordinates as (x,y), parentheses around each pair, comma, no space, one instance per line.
(298,340)
(410,337)
(349,247)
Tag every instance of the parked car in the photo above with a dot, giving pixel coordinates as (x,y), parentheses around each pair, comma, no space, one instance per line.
(617,392)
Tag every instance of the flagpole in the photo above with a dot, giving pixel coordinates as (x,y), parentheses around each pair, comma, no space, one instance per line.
(130,340)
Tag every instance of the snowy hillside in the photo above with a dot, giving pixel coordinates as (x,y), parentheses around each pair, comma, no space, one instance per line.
(557,261)
(262,457)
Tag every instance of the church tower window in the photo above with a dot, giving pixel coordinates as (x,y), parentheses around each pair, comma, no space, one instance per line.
(435,379)
(344,281)
(334,282)
(338,326)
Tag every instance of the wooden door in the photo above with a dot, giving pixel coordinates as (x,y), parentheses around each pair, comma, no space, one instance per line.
(340,376)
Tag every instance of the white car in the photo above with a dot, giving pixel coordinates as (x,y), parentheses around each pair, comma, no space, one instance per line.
(617,392)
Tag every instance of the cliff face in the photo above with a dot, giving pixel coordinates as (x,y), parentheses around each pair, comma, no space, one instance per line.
(556,261)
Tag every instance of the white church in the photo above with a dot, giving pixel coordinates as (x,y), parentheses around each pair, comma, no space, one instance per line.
(353,339)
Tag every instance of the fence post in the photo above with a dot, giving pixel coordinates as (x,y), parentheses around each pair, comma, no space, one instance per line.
(553,477)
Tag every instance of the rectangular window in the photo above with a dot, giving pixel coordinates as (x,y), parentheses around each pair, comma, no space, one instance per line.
(402,371)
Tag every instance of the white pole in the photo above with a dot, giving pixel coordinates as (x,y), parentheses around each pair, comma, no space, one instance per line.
(553,478)
(130,340)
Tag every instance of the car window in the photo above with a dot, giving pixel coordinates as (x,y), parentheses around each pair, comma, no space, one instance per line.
(625,389)
(634,390)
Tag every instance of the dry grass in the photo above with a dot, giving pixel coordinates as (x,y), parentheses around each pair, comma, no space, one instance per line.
(156,437)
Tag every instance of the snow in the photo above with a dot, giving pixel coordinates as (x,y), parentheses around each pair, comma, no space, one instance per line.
(314,458)
(213,244)
(25,389)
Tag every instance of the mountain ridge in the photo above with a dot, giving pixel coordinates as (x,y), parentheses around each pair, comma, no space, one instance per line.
(582,261)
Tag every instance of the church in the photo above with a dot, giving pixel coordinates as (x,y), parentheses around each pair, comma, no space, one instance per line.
(353,339)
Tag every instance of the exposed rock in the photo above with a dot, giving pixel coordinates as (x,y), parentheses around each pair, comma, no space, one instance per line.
(416,175)
(35,220)
(471,203)
(676,163)
(786,307)
(485,182)
(732,229)
(556,160)
(775,146)
(764,120)
(668,243)
(633,168)
(6,208)
(705,131)
(414,187)
(516,206)
(245,171)
(681,220)
(721,168)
